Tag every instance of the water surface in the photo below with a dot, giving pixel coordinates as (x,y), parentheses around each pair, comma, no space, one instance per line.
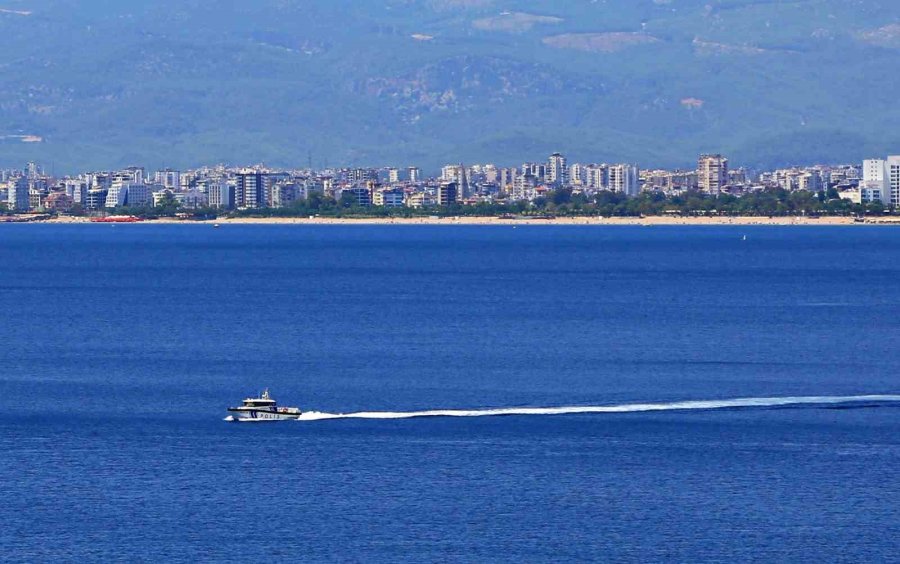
(122,346)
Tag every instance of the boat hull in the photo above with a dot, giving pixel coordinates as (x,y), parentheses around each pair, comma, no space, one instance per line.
(261,415)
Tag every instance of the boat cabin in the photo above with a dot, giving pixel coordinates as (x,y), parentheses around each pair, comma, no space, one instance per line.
(263,401)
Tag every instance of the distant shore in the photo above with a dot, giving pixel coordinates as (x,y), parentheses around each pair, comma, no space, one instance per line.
(466,220)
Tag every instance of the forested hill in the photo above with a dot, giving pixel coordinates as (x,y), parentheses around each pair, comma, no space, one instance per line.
(102,83)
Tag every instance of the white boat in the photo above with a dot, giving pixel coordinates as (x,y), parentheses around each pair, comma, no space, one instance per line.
(260,409)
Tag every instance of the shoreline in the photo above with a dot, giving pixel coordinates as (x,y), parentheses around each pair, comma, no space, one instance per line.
(463,220)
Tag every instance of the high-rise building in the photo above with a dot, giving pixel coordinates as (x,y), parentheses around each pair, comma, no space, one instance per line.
(249,189)
(463,190)
(116,195)
(557,170)
(77,190)
(893,178)
(506,178)
(523,187)
(451,173)
(459,175)
(132,174)
(283,194)
(362,175)
(880,180)
(140,194)
(220,194)
(18,198)
(415,175)
(98,181)
(96,198)
(129,194)
(578,174)
(874,171)
(447,193)
(537,170)
(810,180)
(598,177)
(491,174)
(712,172)
(393,175)
(624,178)
(169,178)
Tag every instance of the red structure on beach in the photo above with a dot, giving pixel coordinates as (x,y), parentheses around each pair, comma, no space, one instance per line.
(116,219)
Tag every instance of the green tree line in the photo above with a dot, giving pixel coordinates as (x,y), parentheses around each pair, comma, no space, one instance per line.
(773,202)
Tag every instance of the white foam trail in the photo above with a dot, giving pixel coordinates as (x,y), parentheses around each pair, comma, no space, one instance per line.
(624,408)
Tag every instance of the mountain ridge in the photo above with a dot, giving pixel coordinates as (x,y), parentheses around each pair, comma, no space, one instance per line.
(101,84)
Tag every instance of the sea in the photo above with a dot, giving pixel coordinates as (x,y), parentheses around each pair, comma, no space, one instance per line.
(515,393)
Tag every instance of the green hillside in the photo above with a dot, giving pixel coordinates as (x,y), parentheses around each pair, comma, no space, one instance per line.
(102,83)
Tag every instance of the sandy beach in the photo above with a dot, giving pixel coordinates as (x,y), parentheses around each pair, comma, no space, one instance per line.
(646,221)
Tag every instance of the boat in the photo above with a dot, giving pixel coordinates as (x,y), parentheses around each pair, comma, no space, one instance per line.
(262,408)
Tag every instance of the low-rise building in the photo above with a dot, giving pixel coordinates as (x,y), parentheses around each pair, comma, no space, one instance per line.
(855,195)
(419,200)
(59,202)
(35,200)
(191,199)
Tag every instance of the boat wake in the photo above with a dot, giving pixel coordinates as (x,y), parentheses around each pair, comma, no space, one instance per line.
(741,403)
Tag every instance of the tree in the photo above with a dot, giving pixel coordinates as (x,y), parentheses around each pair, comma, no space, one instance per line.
(167,206)
(561,196)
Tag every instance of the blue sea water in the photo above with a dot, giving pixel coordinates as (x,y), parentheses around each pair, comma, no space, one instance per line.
(121,347)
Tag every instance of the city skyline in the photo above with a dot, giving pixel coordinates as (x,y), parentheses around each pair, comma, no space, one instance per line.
(256,187)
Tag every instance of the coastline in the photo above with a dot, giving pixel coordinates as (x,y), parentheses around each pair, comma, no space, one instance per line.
(464,220)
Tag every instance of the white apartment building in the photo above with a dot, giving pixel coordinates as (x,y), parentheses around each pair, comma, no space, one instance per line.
(598,177)
(220,194)
(115,197)
(624,178)
(874,184)
(390,198)
(451,173)
(129,193)
(557,170)
(578,174)
(77,190)
(169,178)
(18,198)
(881,180)
(811,181)
(712,173)
(893,178)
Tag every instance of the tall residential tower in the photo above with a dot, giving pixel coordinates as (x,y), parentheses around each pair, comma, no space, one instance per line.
(557,170)
(712,173)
